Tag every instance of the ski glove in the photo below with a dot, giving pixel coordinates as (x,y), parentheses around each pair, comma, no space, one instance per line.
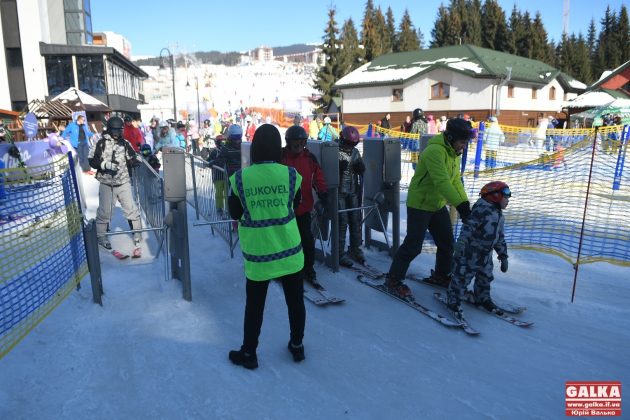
(110,166)
(323,197)
(464,210)
(504,263)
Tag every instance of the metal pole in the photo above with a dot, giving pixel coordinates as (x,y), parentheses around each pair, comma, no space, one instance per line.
(198,113)
(173,75)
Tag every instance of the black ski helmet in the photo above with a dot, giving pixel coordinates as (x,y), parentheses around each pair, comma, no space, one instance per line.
(458,129)
(115,127)
(417,114)
(295,132)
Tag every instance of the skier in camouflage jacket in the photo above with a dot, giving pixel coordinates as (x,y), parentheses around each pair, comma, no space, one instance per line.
(482,232)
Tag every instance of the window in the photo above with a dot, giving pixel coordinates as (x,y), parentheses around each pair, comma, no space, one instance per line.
(510,91)
(91,73)
(440,90)
(534,93)
(397,95)
(75,21)
(14,57)
(59,73)
(74,38)
(552,93)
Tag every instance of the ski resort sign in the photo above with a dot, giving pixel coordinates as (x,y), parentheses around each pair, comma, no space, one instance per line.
(593,398)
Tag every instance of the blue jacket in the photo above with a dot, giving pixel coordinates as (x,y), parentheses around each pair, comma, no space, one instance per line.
(72,133)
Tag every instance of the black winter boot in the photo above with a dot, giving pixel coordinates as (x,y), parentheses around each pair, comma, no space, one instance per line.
(242,358)
(296,351)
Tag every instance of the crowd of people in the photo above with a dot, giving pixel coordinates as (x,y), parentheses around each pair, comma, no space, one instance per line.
(274,199)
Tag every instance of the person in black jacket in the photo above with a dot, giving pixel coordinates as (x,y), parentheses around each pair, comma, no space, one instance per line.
(113,157)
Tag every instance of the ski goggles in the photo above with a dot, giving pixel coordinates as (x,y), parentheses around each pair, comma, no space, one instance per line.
(506,192)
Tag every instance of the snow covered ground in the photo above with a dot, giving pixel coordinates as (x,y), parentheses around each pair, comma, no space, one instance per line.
(148,354)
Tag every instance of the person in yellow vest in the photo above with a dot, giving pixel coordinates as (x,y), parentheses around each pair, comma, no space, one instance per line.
(263,200)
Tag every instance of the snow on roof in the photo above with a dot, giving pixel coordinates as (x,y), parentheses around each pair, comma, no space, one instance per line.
(393,72)
(378,74)
(604,75)
(590,99)
(72,94)
(576,84)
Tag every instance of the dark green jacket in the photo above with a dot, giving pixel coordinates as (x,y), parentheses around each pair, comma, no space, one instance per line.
(437,179)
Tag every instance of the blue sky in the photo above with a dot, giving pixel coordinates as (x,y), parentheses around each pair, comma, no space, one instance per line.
(203,25)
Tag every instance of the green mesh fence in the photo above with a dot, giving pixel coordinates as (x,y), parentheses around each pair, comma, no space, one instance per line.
(42,252)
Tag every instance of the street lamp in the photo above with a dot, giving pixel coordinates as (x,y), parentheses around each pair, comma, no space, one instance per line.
(172,63)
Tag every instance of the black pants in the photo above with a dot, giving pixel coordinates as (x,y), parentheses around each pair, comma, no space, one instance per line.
(349,220)
(255,307)
(418,221)
(308,241)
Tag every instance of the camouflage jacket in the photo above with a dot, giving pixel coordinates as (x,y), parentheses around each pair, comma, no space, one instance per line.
(120,152)
(484,230)
(419,127)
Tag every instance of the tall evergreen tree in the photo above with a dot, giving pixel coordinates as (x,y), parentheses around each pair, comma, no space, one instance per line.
(330,72)
(369,36)
(515,28)
(351,55)
(494,33)
(540,44)
(420,39)
(381,45)
(440,28)
(390,25)
(471,22)
(407,39)
(591,44)
(454,29)
(582,65)
(623,35)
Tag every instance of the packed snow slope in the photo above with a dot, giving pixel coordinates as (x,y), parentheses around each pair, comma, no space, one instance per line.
(148,354)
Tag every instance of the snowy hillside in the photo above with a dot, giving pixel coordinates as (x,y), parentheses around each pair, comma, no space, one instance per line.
(148,354)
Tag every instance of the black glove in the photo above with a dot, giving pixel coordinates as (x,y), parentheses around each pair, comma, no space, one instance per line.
(464,210)
(358,167)
(343,165)
(504,263)
(321,209)
(323,197)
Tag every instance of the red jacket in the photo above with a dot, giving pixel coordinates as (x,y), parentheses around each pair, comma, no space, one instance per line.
(134,136)
(249,132)
(312,176)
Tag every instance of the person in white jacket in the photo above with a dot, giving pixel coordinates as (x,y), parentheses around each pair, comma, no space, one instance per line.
(493,139)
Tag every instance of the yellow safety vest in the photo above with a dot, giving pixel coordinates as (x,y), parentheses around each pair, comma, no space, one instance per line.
(269,236)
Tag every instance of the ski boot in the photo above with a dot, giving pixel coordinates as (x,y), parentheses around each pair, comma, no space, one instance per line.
(489,306)
(439,280)
(345,261)
(356,254)
(456,311)
(397,288)
(137,252)
(296,351)
(105,243)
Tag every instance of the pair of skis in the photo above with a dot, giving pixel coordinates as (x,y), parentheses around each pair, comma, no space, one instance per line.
(137,253)
(317,294)
(367,272)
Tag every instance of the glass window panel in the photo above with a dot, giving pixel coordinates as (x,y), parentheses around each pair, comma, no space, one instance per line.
(87,7)
(91,74)
(75,38)
(59,74)
(446,90)
(73,4)
(74,22)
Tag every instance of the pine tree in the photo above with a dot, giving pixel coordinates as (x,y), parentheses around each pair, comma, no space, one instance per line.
(440,28)
(382,41)
(351,55)
(514,30)
(407,39)
(540,44)
(390,25)
(369,36)
(454,29)
(420,39)
(623,35)
(471,22)
(582,66)
(592,45)
(494,31)
(328,74)
(524,43)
